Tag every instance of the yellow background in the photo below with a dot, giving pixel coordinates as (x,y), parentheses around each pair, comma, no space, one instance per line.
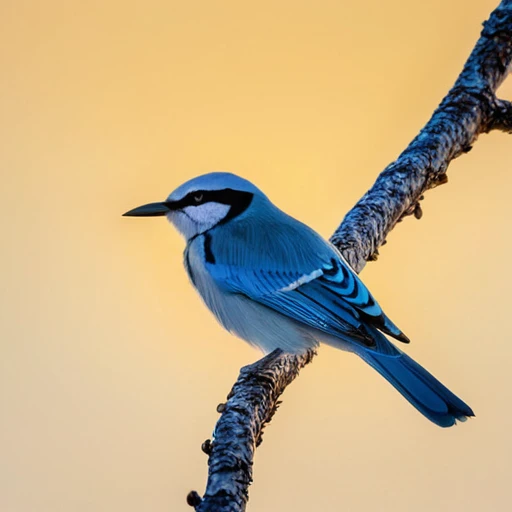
(111,368)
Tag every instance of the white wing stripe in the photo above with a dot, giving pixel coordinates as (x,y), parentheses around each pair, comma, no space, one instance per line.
(302,280)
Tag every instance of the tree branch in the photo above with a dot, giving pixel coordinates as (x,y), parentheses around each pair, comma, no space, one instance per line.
(470,108)
(252,402)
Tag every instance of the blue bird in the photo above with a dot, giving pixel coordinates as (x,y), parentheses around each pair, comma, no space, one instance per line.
(276,283)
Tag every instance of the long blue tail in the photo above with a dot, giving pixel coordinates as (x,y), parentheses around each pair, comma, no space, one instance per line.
(422,389)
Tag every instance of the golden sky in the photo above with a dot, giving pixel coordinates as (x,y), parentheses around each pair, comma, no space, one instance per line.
(111,368)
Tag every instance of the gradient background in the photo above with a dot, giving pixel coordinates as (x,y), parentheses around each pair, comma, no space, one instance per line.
(110,367)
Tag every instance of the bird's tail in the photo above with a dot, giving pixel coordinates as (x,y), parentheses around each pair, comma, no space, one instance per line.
(417,385)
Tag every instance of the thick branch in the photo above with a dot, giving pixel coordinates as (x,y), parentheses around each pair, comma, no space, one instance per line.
(252,402)
(470,108)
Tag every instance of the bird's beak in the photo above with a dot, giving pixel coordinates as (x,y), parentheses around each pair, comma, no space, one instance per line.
(149,210)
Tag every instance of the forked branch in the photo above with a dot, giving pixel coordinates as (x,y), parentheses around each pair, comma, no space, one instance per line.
(469,109)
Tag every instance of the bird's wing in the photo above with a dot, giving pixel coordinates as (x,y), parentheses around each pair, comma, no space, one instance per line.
(288,267)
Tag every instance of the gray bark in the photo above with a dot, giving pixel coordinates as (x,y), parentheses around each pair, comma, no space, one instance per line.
(469,109)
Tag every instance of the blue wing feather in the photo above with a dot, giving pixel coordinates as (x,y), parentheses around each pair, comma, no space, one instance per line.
(286,266)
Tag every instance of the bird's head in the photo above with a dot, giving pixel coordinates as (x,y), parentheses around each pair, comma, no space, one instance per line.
(203,203)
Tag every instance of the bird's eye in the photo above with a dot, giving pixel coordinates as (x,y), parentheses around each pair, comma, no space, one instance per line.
(198,198)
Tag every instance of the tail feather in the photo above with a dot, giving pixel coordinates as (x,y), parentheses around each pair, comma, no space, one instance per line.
(419,387)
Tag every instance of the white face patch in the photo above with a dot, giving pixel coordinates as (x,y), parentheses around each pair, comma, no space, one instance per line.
(197,219)
(207,215)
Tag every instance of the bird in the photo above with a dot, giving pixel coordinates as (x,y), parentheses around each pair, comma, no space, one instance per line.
(276,283)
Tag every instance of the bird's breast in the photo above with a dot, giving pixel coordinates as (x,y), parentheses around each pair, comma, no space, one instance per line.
(240,315)
(195,259)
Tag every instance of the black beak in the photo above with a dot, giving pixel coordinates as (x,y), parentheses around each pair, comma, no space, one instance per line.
(149,210)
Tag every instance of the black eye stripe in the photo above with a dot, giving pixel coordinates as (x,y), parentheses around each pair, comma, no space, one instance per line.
(238,200)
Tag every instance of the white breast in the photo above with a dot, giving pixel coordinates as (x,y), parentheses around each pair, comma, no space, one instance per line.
(243,317)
